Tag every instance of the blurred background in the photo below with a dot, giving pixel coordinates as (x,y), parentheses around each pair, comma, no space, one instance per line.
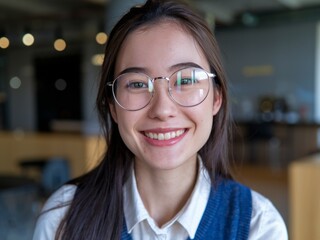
(50,59)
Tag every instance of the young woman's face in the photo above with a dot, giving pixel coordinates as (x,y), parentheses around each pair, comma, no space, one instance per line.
(158,51)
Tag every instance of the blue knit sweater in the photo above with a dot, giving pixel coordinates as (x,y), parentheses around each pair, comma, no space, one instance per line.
(227,215)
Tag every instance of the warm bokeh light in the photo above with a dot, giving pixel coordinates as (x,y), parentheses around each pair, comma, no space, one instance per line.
(101,38)
(4,42)
(97,59)
(28,39)
(60,44)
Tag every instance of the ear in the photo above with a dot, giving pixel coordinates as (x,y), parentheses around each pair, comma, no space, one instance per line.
(113,112)
(217,102)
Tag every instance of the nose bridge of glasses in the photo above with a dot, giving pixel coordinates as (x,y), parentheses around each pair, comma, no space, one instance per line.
(158,80)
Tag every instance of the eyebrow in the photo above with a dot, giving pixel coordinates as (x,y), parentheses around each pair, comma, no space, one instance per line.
(184,65)
(133,69)
(171,68)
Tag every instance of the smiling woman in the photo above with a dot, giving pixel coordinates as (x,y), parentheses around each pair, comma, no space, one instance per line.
(163,105)
(175,56)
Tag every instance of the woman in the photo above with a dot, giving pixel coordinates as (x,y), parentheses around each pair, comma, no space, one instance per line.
(164,110)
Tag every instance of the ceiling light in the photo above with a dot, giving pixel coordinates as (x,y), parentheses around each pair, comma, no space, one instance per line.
(59,43)
(97,59)
(4,42)
(101,38)
(15,82)
(28,38)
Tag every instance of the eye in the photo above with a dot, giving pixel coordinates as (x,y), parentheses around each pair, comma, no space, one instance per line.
(185,77)
(137,85)
(186,81)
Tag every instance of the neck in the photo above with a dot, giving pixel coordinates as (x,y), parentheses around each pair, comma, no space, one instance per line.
(165,192)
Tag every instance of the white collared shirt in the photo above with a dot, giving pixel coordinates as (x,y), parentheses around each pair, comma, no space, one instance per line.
(266,222)
(184,224)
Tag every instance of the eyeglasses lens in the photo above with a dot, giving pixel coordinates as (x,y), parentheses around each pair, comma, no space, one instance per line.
(187,87)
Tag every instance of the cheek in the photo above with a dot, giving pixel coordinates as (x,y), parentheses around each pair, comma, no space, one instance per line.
(203,116)
(126,125)
(209,106)
(206,114)
(203,129)
(207,122)
(125,131)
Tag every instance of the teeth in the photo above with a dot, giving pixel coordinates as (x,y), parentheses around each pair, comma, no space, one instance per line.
(164,136)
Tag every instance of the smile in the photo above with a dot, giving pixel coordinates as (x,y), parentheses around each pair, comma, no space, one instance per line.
(164,136)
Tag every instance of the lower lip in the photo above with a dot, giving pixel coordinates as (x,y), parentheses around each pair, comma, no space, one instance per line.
(164,143)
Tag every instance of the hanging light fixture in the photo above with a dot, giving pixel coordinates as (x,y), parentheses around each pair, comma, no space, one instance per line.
(28,38)
(59,43)
(101,36)
(4,41)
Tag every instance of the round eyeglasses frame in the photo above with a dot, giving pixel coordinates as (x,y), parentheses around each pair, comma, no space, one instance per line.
(152,80)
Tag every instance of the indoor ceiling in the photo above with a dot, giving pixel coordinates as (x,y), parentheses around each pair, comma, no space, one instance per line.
(16,15)
(223,11)
(20,11)
(226,11)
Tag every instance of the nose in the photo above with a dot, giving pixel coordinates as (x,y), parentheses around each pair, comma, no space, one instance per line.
(162,106)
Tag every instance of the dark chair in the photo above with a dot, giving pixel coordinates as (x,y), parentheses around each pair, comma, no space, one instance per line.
(51,173)
(262,134)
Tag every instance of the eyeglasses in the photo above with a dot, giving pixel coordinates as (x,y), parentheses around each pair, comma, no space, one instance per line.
(187,87)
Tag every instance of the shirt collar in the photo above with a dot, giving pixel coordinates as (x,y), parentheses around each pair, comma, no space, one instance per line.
(134,209)
(190,215)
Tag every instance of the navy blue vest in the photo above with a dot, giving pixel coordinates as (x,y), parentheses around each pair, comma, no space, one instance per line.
(227,215)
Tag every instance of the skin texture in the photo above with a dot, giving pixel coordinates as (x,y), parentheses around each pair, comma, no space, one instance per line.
(165,170)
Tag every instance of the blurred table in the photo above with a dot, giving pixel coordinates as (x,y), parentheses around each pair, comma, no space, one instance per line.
(83,152)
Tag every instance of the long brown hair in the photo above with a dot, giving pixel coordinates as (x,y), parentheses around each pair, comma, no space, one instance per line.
(96,211)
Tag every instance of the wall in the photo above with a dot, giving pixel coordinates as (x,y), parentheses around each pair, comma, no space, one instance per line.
(22,101)
(277,60)
(3,95)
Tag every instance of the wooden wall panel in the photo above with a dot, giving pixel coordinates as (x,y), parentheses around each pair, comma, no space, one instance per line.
(304,192)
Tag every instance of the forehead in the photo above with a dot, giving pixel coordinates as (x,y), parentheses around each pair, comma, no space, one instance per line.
(159,45)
